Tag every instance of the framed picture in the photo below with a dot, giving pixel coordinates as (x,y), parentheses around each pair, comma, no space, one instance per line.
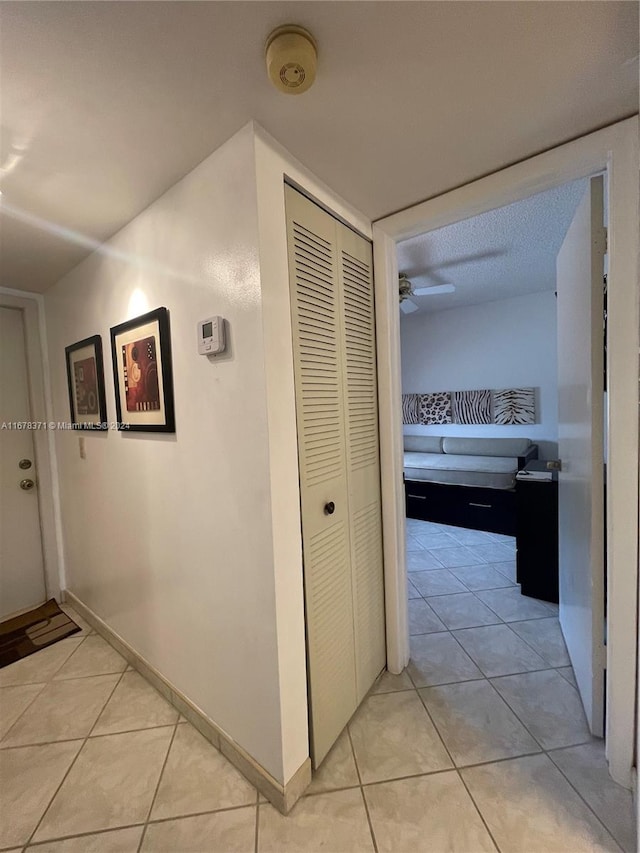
(141,352)
(85,378)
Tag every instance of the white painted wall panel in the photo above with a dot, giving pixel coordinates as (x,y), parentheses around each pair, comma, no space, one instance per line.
(510,343)
(169,537)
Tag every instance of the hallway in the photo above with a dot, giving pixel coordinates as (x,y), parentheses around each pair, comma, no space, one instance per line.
(480,744)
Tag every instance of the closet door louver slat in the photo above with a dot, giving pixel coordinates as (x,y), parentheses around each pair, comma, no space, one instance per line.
(313,272)
(332,306)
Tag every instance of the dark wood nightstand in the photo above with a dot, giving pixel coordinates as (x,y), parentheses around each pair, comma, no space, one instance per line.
(537,533)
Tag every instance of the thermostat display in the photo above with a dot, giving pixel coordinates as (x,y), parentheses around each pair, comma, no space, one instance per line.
(211,336)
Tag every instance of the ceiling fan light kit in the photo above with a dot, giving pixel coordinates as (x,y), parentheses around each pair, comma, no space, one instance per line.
(292,57)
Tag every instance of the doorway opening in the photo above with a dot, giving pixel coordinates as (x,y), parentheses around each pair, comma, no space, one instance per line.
(502,369)
(612,151)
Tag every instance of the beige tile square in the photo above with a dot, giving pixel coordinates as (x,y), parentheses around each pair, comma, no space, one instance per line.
(422,619)
(393,736)
(529,806)
(569,675)
(110,785)
(475,724)
(498,651)
(462,610)
(435,540)
(511,605)
(587,770)
(545,636)
(469,537)
(134,705)
(338,770)
(40,666)
(495,552)
(335,822)
(422,561)
(548,706)
(13,701)
(439,659)
(94,657)
(427,813)
(458,556)
(28,779)
(198,778)
(390,683)
(113,841)
(481,577)
(228,832)
(436,582)
(508,569)
(65,710)
(412,544)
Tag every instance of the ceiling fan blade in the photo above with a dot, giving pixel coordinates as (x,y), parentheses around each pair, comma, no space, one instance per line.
(433,291)
(408,307)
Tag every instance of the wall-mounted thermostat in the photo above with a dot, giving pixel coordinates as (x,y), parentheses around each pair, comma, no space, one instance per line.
(211,336)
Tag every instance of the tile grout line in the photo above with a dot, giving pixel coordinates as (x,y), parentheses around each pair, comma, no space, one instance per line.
(157,788)
(70,767)
(257,833)
(364,799)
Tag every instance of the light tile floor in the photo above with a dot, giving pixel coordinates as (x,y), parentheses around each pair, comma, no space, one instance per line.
(479,745)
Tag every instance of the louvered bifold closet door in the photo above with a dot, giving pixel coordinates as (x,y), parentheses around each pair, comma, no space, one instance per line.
(363,455)
(318,363)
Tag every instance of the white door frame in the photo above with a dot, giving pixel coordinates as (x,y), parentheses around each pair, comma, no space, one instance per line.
(613,150)
(31,306)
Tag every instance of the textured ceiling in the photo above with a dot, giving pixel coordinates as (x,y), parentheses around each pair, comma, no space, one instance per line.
(505,252)
(106,104)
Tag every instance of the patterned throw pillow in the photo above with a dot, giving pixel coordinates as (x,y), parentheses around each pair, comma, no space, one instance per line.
(514,406)
(472,407)
(410,409)
(435,408)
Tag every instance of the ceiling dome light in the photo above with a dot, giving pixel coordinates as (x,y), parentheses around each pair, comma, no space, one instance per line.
(292,57)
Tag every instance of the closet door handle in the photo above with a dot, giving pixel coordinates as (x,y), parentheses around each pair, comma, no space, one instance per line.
(329,508)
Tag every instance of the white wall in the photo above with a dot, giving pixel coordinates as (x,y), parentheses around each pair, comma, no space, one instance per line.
(168,537)
(510,343)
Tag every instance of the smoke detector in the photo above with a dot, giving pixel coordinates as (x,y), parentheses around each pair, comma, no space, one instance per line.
(292,57)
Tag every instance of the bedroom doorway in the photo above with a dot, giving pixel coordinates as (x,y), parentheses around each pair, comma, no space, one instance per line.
(495,293)
(576,161)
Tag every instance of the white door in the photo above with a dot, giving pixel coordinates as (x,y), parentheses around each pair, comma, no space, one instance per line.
(334,349)
(21,565)
(580,269)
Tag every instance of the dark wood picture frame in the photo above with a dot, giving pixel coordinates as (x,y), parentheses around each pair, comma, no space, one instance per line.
(143,374)
(87,397)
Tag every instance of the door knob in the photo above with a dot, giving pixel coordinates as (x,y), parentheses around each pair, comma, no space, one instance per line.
(27,485)
(329,508)
(24,464)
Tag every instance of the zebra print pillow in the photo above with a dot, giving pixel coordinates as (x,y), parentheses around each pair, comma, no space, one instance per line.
(472,407)
(410,409)
(514,406)
(435,408)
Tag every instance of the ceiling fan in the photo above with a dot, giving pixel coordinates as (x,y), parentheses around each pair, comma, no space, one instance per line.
(407,290)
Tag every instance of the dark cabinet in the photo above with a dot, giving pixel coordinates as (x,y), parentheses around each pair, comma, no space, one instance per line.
(537,534)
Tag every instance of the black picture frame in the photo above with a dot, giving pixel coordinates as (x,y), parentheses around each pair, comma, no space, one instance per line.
(143,373)
(85,381)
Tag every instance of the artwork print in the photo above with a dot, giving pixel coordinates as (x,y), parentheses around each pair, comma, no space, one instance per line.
(85,380)
(140,367)
(141,354)
(435,408)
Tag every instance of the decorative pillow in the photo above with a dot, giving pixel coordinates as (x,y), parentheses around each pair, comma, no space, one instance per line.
(472,407)
(435,408)
(410,409)
(514,406)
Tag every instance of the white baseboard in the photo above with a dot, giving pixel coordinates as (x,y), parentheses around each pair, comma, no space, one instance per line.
(283,797)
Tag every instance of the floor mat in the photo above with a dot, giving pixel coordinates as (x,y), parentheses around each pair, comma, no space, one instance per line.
(23,635)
